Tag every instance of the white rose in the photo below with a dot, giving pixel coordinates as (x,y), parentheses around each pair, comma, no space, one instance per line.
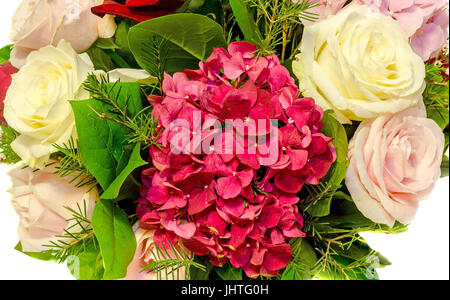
(40,198)
(38,23)
(360,64)
(37,102)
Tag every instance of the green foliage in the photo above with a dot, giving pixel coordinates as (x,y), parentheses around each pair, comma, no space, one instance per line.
(436,95)
(228,272)
(7,136)
(131,161)
(170,263)
(88,264)
(115,237)
(444,166)
(246,22)
(75,237)
(105,125)
(334,129)
(5,53)
(71,164)
(319,199)
(209,8)
(303,265)
(280,25)
(44,255)
(201,273)
(113,53)
(174,43)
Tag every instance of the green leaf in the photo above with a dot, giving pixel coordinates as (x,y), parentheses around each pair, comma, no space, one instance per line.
(100,59)
(246,22)
(5,53)
(210,8)
(100,141)
(360,250)
(438,114)
(44,255)
(228,272)
(199,274)
(88,264)
(134,161)
(444,166)
(175,42)
(116,238)
(106,44)
(303,261)
(334,129)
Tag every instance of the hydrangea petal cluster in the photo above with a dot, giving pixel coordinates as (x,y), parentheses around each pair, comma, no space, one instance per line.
(425,22)
(237,206)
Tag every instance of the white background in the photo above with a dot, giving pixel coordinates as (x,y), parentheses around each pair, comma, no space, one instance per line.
(420,253)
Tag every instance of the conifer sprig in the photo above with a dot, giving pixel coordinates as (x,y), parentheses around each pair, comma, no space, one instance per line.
(169,264)
(143,127)
(75,237)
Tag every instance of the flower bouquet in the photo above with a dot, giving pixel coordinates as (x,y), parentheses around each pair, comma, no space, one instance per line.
(222,139)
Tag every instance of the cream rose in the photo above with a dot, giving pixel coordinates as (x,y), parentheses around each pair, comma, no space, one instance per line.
(39,23)
(39,198)
(145,254)
(394,163)
(360,64)
(37,103)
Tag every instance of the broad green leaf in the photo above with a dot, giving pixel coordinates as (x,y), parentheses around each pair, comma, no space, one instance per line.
(444,166)
(115,237)
(210,8)
(246,22)
(228,272)
(360,250)
(199,274)
(303,261)
(88,264)
(121,40)
(44,255)
(5,53)
(438,114)
(175,42)
(101,141)
(100,59)
(133,162)
(106,44)
(334,129)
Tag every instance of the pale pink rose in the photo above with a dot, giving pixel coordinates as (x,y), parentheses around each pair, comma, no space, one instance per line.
(394,163)
(146,254)
(425,22)
(323,9)
(40,198)
(39,23)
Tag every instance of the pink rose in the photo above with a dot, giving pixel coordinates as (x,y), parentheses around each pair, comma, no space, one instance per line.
(39,199)
(394,163)
(425,22)
(39,23)
(145,254)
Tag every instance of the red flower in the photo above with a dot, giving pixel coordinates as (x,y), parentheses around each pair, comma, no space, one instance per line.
(138,10)
(6,70)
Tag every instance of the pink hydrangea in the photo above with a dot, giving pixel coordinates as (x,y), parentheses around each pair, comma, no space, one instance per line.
(322,9)
(235,205)
(425,22)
